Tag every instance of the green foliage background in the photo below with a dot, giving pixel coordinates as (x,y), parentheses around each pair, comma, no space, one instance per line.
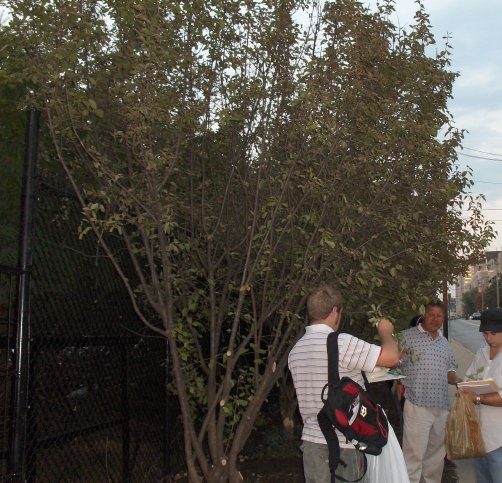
(245,158)
(12,126)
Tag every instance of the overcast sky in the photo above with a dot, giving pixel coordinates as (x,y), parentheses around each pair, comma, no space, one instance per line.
(475,32)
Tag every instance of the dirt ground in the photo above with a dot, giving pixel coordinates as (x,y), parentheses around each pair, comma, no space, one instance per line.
(274,470)
(290,470)
(273,456)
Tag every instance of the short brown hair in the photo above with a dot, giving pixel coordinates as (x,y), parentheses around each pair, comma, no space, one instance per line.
(435,303)
(321,301)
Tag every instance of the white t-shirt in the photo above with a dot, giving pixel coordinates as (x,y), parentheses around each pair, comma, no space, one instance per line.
(490,417)
(308,363)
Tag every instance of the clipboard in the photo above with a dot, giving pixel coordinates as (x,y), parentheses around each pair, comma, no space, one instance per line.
(483,386)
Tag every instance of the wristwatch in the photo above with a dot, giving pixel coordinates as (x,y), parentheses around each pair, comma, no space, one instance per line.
(478,400)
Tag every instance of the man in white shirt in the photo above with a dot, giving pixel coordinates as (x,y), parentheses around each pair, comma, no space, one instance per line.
(308,363)
(429,366)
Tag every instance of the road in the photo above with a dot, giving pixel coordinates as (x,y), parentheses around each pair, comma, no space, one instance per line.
(466,332)
(465,340)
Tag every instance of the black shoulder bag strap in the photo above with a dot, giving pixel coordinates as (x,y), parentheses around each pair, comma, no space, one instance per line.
(322,417)
(332,348)
(367,384)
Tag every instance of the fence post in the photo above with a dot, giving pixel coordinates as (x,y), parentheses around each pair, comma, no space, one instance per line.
(126,434)
(22,355)
(166,436)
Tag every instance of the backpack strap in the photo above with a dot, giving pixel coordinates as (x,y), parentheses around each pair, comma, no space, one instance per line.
(332,440)
(322,417)
(366,383)
(334,448)
(332,347)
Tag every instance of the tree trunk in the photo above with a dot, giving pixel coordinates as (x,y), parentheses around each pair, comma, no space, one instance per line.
(287,403)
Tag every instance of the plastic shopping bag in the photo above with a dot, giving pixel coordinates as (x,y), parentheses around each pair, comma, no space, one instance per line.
(463,434)
(389,466)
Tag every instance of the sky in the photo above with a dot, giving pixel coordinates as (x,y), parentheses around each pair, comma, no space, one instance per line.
(475,32)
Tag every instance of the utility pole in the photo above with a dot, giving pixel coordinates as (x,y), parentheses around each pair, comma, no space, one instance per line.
(497,281)
(480,296)
(446,309)
(498,298)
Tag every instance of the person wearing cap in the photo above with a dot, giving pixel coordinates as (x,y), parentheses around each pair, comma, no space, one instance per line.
(428,363)
(487,363)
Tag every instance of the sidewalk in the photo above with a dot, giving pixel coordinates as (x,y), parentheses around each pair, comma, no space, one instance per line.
(465,468)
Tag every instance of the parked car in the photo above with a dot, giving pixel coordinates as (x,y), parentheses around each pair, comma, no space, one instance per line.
(475,316)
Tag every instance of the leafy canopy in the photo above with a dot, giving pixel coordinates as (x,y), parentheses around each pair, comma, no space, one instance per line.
(244,157)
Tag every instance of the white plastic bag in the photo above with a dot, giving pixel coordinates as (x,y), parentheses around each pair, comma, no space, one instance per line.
(389,465)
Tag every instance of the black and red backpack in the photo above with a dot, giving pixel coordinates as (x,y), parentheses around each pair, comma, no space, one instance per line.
(350,409)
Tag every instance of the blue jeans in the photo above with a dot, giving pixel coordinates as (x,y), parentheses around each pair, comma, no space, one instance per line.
(489,468)
(316,463)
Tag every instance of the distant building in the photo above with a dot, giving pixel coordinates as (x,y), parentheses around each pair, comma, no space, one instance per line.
(479,275)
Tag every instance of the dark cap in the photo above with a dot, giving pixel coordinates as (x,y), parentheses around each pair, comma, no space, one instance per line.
(491,320)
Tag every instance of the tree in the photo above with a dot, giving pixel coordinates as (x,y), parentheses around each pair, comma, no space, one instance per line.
(12,127)
(490,298)
(242,161)
(470,301)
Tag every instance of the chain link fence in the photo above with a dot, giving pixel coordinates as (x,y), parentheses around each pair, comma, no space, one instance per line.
(8,284)
(98,406)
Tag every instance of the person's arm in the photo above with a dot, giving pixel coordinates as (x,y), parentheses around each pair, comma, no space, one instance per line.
(453,378)
(389,354)
(491,399)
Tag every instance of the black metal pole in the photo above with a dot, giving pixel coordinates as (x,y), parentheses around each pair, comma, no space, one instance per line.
(126,436)
(22,356)
(446,310)
(166,436)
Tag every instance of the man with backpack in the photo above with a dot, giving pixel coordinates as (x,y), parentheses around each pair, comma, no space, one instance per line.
(308,363)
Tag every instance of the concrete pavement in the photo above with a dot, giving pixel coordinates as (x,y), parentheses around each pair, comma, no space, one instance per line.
(465,468)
